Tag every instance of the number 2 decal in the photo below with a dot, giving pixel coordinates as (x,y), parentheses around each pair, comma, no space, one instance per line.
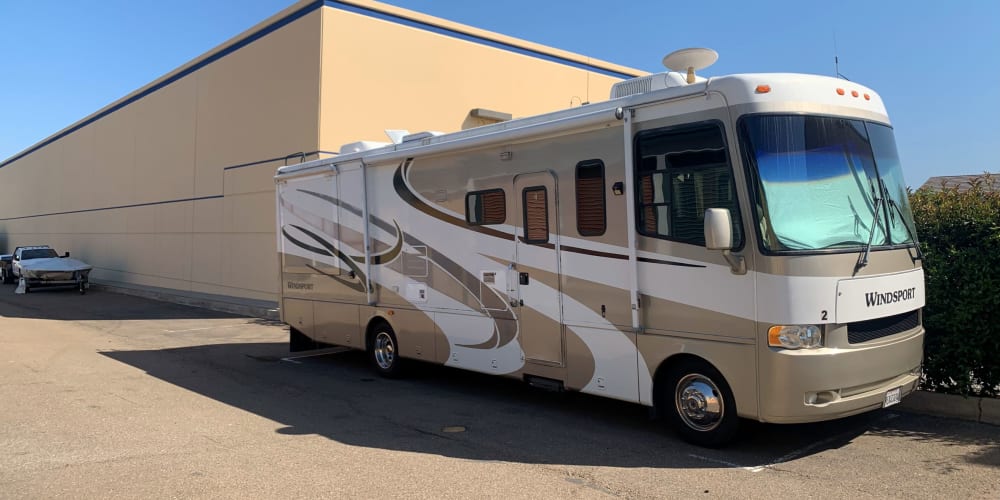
(822,315)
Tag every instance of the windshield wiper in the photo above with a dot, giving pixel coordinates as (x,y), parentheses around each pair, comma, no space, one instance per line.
(895,205)
(863,258)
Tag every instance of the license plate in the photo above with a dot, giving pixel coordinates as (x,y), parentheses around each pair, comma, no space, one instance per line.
(892,396)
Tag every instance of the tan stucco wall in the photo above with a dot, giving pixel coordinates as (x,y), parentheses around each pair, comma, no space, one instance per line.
(159,192)
(378,75)
(256,103)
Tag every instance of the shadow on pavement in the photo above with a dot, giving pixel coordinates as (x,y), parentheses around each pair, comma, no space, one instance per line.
(338,397)
(949,433)
(96,305)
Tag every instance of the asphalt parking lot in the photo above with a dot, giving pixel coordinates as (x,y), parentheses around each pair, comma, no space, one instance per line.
(111,396)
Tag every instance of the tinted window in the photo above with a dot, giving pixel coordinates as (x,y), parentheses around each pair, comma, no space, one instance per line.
(38,253)
(681,172)
(591,218)
(486,207)
(536,215)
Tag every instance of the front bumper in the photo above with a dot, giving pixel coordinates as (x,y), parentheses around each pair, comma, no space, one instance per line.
(811,385)
(36,279)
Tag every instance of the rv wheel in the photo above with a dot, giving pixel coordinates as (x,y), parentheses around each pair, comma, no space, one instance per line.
(383,351)
(699,404)
(298,341)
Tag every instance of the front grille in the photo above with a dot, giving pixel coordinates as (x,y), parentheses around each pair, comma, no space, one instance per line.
(866,331)
(54,275)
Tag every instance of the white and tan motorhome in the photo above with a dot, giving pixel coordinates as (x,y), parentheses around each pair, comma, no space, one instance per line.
(718,248)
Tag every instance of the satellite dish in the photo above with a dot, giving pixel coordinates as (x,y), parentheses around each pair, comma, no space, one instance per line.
(689,60)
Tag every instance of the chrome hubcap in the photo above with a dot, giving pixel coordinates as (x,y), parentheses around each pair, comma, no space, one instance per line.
(385,350)
(699,402)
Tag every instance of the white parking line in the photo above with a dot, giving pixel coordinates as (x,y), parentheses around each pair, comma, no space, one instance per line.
(792,455)
(727,464)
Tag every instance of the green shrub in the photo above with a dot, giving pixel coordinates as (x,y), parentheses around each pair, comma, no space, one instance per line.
(960,235)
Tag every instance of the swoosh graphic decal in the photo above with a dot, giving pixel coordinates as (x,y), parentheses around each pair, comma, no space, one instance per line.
(331,251)
(357,286)
(667,262)
(504,331)
(388,256)
(399,184)
(304,246)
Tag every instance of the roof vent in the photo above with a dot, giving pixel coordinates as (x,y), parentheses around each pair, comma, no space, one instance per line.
(648,83)
(421,135)
(683,64)
(357,147)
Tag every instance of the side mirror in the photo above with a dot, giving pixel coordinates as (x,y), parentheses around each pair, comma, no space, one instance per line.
(66,256)
(719,236)
(718,229)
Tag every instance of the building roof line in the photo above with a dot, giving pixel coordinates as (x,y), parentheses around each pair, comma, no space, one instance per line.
(478,35)
(272,24)
(362,7)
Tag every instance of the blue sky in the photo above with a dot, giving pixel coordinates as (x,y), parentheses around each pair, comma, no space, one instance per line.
(936,64)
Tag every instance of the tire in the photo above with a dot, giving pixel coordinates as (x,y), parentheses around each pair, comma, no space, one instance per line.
(383,352)
(298,341)
(698,404)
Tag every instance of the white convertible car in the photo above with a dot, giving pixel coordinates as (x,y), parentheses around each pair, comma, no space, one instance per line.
(41,266)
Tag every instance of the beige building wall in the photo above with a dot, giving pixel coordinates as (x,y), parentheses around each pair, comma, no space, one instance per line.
(378,74)
(172,185)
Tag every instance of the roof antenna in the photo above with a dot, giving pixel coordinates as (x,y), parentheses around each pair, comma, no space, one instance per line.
(836,60)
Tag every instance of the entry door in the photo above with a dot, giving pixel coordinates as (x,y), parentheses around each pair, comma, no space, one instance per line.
(536,269)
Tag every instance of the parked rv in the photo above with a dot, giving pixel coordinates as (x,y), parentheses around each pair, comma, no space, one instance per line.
(717,248)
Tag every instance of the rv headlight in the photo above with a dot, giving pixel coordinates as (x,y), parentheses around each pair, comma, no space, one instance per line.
(795,336)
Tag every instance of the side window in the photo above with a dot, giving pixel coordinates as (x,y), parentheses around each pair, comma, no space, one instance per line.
(536,215)
(591,211)
(486,207)
(680,172)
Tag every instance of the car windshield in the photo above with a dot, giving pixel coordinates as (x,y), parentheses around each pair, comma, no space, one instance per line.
(38,253)
(818,181)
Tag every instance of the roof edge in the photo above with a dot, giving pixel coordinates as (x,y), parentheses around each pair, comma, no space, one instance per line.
(489,35)
(293,13)
(258,30)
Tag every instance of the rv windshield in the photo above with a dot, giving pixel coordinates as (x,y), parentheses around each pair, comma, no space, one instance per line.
(818,180)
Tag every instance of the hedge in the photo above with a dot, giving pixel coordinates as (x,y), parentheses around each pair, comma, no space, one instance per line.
(959,233)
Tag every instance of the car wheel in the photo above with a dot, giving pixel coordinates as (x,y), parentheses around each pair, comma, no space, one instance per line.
(699,404)
(383,352)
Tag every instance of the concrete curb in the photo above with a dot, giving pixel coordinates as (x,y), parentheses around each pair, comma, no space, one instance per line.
(982,410)
(233,305)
